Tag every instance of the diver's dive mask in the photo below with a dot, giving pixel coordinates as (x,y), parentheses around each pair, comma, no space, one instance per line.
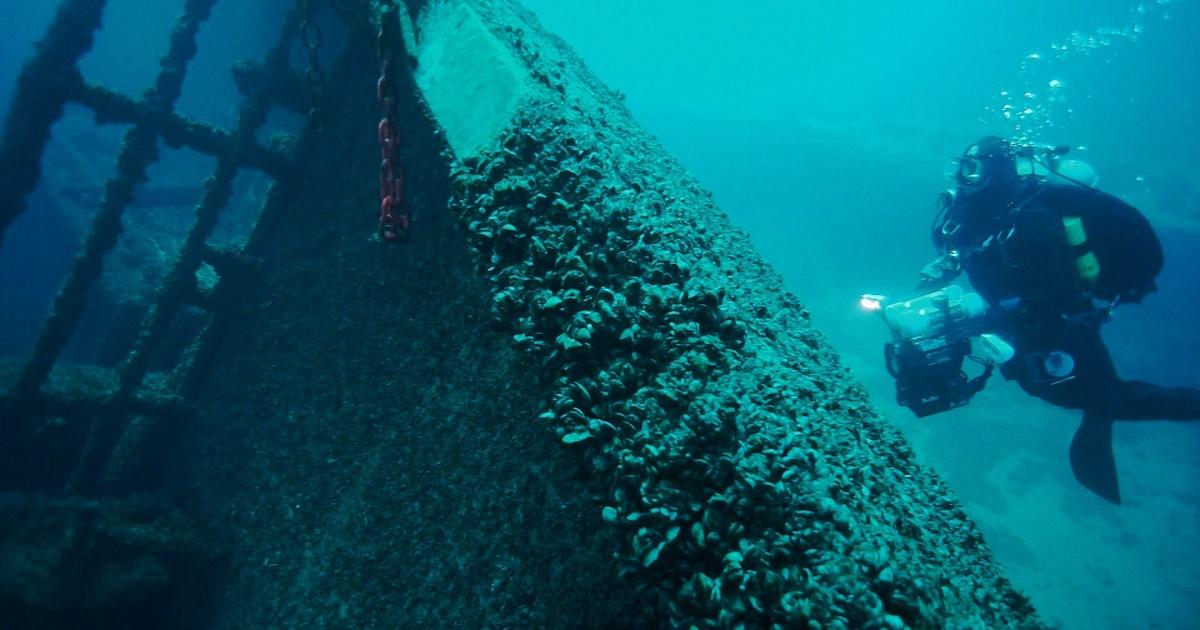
(966,171)
(989,161)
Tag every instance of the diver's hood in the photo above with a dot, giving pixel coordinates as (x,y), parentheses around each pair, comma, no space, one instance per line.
(987,171)
(987,180)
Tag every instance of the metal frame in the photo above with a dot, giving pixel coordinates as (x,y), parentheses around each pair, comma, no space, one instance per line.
(49,81)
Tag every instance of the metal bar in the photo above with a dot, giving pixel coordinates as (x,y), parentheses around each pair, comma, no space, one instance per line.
(253,115)
(180,278)
(39,102)
(204,349)
(286,90)
(140,149)
(82,405)
(179,130)
(137,153)
(226,260)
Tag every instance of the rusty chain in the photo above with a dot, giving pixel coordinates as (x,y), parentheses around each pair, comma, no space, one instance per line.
(393,212)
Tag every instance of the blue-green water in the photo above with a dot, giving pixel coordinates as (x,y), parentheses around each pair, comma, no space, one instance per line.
(823,128)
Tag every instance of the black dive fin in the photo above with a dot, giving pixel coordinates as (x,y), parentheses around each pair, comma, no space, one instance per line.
(1092,458)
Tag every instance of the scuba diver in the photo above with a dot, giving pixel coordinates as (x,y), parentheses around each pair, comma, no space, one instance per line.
(1051,256)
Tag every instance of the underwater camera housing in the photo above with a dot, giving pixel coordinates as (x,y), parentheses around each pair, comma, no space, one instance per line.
(932,341)
(928,373)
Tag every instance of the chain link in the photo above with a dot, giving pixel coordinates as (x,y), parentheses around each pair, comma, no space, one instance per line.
(314,77)
(393,214)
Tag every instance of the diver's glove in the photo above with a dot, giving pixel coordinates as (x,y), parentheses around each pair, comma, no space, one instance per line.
(941,272)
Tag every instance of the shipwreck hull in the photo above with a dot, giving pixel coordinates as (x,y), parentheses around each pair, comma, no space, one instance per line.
(574,396)
(400,477)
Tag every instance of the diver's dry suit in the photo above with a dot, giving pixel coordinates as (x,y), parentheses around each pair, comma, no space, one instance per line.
(1007,233)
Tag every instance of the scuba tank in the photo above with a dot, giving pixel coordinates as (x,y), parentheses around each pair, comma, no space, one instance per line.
(1059,171)
(1047,163)
(1075,172)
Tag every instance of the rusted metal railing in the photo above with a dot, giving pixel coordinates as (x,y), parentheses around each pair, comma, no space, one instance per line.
(51,80)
